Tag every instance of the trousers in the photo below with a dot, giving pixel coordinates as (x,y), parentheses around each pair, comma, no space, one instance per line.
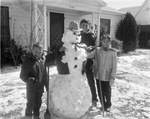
(34,101)
(106,92)
(90,78)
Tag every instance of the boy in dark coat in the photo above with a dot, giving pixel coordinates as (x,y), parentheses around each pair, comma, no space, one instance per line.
(88,38)
(33,73)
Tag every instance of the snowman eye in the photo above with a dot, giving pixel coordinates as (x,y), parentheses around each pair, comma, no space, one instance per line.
(77,34)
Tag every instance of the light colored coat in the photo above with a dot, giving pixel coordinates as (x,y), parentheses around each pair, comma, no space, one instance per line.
(105,62)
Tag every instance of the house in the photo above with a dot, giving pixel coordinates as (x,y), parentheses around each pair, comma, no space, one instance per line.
(51,17)
(142,17)
(48,18)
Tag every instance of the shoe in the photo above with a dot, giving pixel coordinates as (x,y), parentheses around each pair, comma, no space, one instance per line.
(94,103)
(93,108)
(107,109)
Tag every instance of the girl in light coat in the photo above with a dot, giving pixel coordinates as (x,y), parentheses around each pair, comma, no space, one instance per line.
(105,69)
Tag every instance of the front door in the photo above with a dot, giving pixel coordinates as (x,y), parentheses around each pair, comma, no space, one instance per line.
(56,30)
(56,34)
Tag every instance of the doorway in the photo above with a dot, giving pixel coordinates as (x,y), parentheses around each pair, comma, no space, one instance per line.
(56,30)
(56,34)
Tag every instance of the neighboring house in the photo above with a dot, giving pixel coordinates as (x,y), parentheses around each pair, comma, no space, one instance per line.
(49,20)
(142,17)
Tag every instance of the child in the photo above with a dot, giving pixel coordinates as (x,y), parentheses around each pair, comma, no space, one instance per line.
(105,67)
(88,38)
(33,73)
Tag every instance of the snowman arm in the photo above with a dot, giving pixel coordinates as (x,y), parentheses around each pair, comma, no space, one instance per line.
(91,54)
(90,48)
(62,49)
(81,45)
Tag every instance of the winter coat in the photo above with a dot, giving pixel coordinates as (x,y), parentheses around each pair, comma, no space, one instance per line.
(88,38)
(32,67)
(105,63)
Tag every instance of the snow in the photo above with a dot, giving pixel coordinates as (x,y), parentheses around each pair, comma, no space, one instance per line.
(130,93)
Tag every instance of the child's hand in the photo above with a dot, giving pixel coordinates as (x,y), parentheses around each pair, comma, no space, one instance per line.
(31,80)
(90,48)
(111,82)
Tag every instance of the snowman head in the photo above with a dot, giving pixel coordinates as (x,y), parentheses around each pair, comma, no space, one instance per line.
(72,35)
(74,26)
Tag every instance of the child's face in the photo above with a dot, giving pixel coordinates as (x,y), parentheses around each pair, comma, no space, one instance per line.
(84,27)
(105,43)
(37,52)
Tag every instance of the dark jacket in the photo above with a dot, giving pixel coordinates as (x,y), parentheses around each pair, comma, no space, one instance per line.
(88,38)
(31,68)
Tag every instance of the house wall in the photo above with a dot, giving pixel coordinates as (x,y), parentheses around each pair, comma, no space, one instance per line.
(114,20)
(19,22)
(143,16)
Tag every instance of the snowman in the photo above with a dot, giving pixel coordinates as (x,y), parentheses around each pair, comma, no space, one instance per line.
(69,95)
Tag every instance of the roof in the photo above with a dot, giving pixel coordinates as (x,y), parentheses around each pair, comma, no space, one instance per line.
(70,5)
(141,13)
(111,10)
(133,10)
(145,2)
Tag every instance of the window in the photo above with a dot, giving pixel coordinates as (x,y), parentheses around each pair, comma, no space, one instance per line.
(104,26)
(5,33)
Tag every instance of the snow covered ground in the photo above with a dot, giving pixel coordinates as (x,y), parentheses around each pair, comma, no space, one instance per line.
(130,93)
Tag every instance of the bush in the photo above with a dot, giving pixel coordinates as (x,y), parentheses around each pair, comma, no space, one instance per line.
(12,54)
(116,44)
(127,31)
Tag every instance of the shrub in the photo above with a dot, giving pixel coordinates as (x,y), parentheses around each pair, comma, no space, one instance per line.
(127,31)
(116,44)
(12,54)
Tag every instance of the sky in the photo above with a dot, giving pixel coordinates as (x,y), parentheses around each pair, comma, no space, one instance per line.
(117,4)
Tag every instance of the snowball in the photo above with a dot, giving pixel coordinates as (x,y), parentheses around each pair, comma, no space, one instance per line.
(70,96)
